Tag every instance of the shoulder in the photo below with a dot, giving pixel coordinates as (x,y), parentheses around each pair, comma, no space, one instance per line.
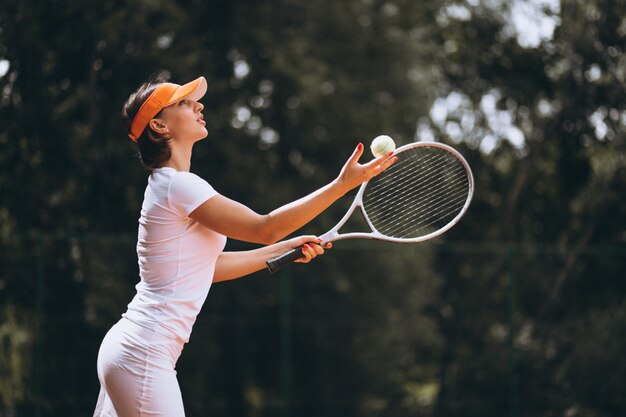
(187,191)
(182,178)
(187,182)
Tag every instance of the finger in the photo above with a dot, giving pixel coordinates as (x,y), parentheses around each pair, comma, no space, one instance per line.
(386,157)
(311,251)
(389,162)
(319,250)
(374,163)
(300,241)
(354,158)
(384,164)
(306,254)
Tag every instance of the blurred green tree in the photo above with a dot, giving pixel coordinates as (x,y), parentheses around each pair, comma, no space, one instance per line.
(527,323)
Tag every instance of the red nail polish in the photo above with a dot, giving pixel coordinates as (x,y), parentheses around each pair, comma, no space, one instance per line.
(359,146)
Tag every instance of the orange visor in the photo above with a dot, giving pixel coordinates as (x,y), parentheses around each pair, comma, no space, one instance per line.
(164,95)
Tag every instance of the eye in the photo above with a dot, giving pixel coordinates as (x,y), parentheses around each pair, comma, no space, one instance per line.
(183,102)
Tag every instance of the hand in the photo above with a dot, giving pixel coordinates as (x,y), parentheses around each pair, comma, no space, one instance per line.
(354,174)
(310,245)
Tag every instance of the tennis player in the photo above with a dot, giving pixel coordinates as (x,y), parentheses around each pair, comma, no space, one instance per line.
(183,228)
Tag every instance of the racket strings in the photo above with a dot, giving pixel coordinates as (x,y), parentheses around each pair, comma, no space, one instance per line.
(404,166)
(403,181)
(410,218)
(412,226)
(416,226)
(420,197)
(438,204)
(423,192)
(424,197)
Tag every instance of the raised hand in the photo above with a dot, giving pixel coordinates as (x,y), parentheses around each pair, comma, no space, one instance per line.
(354,174)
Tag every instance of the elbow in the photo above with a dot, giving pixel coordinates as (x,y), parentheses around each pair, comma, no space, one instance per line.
(267,233)
(268,237)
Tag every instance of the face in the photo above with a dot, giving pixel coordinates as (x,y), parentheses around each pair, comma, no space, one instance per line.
(184,120)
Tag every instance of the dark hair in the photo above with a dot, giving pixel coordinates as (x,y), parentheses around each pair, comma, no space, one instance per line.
(154,148)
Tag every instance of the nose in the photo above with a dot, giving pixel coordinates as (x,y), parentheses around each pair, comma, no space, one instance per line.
(199,106)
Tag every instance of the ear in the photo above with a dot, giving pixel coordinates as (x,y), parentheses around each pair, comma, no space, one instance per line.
(158,126)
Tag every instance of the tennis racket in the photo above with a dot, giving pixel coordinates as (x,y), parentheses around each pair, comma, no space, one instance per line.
(422,195)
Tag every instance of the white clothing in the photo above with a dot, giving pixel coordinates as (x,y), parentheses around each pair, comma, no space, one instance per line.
(176,254)
(177,258)
(136,372)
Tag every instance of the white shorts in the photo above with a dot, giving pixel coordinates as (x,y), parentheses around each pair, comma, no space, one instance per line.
(136,372)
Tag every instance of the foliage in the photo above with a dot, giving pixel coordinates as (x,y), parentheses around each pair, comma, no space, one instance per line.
(527,320)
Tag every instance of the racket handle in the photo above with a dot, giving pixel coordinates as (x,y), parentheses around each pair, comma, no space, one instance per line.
(283,260)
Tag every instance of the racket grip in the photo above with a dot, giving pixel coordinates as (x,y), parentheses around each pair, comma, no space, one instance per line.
(283,260)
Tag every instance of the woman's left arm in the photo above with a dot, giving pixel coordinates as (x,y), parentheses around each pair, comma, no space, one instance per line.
(231,265)
(235,220)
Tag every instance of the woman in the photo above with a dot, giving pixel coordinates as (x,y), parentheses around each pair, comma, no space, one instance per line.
(183,228)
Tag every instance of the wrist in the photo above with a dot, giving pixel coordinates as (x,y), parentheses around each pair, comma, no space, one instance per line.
(279,248)
(340,186)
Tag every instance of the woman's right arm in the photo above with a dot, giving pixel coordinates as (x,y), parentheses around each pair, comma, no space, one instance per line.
(237,221)
(232,265)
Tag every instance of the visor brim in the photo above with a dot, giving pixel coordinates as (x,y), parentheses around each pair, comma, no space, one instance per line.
(193,90)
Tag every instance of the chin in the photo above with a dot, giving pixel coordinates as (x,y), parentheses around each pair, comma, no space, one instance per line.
(202,135)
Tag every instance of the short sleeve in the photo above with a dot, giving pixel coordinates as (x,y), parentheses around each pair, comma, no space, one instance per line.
(187,192)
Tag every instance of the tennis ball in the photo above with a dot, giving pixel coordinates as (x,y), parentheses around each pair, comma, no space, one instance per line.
(381,145)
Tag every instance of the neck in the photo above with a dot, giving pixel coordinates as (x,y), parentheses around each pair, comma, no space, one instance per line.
(181,157)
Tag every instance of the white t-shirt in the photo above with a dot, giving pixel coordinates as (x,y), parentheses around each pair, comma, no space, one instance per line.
(176,254)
